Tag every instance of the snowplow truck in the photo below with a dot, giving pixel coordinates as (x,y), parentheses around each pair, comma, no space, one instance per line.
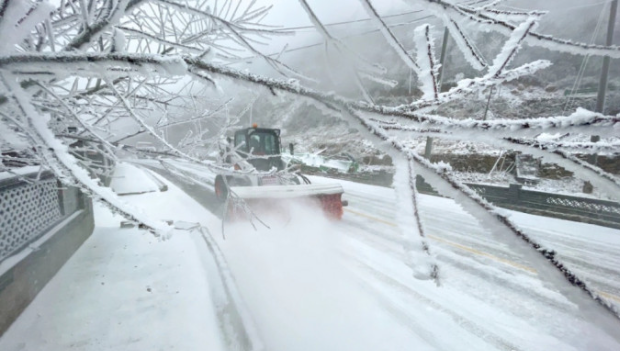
(266,184)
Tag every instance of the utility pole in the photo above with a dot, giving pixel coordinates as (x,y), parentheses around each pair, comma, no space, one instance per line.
(442,60)
(486,109)
(602,88)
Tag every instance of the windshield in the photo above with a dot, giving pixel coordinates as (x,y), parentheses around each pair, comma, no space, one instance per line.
(262,143)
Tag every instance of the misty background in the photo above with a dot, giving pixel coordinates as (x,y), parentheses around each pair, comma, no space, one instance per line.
(559,90)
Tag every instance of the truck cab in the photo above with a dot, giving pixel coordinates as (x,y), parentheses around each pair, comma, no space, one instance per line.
(260,147)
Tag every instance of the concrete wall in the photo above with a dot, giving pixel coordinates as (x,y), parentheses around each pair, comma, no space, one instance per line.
(21,283)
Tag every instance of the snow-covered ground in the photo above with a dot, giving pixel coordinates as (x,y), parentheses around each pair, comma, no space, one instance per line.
(128,180)
(314,284)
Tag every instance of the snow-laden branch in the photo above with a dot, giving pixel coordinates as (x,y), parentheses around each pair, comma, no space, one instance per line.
(65,166)
(92,65)
(580,147)
(434,274)
(90,34)
(69,64)
(465,44)
(236,35)
(146,127)
(597,123)
(508,16)
(511,47)
(533,38)
(552,271)
(549,267)
(429,68)
(356,62)
(18,18)
(422,262)
(390,37)
(109,147)
(506,140)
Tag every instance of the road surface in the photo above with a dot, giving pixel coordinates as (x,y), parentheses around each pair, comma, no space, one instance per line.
(309,283)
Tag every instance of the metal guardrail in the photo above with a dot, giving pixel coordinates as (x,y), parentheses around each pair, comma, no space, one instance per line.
(29,209)
(514,197)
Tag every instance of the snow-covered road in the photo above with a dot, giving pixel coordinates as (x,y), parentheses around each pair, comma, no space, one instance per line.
(486,286)
(314,284)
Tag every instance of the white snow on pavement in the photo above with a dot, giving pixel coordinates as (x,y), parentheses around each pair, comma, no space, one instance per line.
(122,290)
(129,179)
(314,284)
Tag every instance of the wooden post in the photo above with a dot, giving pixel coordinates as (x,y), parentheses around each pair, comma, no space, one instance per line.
(594,157)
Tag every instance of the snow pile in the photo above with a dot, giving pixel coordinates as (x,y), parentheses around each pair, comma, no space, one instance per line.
(129,179)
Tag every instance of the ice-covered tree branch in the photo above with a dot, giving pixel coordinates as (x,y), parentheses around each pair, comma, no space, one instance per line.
(533,38)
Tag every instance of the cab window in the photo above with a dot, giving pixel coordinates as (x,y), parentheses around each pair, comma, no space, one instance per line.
(240,142)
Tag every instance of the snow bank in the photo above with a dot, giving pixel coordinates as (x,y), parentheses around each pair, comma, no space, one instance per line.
(129,179)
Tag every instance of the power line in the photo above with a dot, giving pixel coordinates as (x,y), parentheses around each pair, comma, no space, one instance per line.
(345,37)
(564,9)
(353,21)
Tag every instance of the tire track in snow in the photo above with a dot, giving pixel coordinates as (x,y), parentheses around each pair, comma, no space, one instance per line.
(435,224)
(476,270)
(480,245)
(383,283)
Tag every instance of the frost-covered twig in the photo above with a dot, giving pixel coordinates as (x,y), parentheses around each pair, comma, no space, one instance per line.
(17,19)
(533,38)
(236,30)
(390,37)
(429,68)
(465,44)
(64,165)
(511,47)
(418,218)
(91,33)
(424,266)
(358,63)
(92,65)
(548,265)
(596,122)
(78,120)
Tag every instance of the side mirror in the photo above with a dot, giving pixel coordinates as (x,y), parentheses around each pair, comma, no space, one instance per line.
(291,148)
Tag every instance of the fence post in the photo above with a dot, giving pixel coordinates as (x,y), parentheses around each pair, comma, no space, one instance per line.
(514,192)
(593,158)
(429,148)
(61,198)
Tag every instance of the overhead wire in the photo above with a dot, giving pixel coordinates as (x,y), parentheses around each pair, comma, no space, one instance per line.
(349,22)
(344,37)
(570,99)
(564,9)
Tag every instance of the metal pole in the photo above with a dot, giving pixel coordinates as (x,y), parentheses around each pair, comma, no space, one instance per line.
(442,59)
(486,110)
(600,101)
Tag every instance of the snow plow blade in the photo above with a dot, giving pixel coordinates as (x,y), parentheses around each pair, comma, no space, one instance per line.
(269,197)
